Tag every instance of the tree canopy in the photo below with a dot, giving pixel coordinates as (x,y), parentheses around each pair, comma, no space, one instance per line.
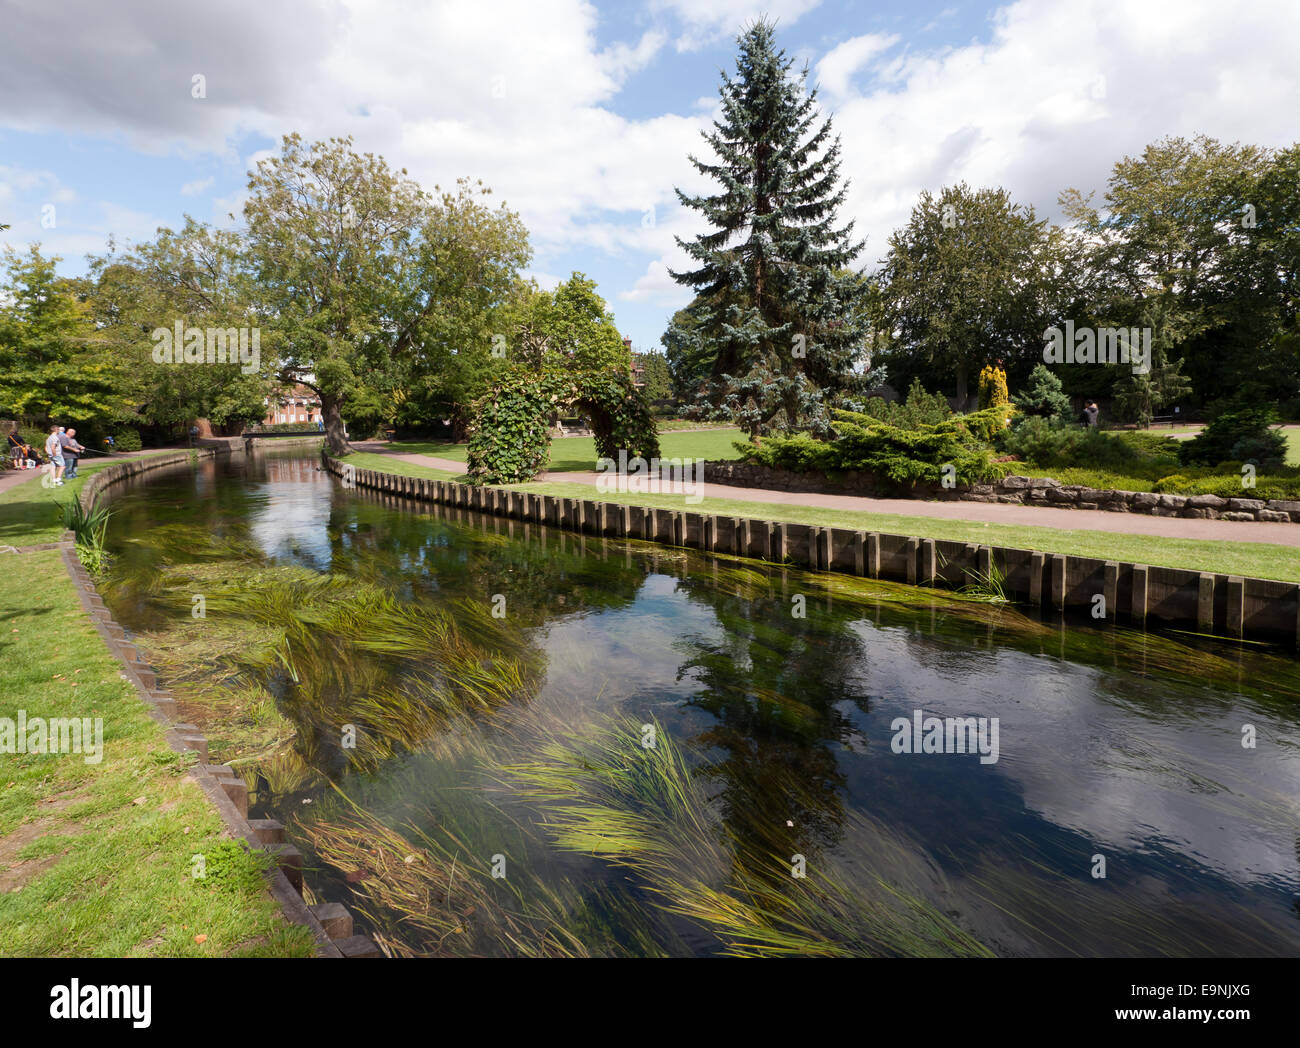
(778,316)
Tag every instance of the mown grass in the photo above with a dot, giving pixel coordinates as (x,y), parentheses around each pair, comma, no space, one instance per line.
(389,464)
(578,454)
(97,859)
(31,514)
(1258,559)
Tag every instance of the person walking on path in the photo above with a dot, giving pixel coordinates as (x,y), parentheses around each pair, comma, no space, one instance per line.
(54,452)
(72,452)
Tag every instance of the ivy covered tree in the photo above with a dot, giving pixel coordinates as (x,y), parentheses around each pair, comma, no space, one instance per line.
(778,315)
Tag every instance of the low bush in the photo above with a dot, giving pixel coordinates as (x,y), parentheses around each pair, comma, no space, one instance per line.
(1045,443)
(903,456)
(127,438)
(919,408)
(1239,432)
(1043,396)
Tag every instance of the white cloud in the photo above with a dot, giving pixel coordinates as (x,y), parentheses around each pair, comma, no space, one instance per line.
(657,287)
(709,21)
(196,187)
(836,69)
(1060,92)
(523,94)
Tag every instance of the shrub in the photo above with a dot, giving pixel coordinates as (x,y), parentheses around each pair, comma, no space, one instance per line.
(905,456)
(918,409)
(1046,443)
(1239,431)
(1151,445)
(799,452)
(1043,396)
(127,438)
(913,456)
(989,422)
(1266,451)
(993,387)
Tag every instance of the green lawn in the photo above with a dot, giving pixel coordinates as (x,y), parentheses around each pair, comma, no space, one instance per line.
(1236,558)
(1240,558)
(97,859)
(29,513)
(576,454)
(389,464)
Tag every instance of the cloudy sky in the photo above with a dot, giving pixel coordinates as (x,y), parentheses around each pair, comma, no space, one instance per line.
(581,115)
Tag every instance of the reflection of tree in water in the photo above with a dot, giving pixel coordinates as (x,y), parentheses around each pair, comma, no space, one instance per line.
(773,684)
(430,555)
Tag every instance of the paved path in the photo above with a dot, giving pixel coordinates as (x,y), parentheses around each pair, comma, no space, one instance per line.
(990,512)
(11,478)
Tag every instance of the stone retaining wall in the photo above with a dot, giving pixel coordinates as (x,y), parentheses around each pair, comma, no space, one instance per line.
(1229,605)
(1029,491)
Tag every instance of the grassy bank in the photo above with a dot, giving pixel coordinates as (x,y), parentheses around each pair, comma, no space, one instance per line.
(1237,558)
(1261,560)
(96,859)
(30,514)
(578,454)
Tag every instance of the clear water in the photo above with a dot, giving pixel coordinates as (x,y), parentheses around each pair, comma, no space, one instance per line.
(1113,745)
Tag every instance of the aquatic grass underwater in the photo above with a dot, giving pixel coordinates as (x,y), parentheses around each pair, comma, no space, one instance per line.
(522,737)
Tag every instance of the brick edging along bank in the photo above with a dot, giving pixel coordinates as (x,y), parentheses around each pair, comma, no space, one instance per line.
(1015,490)
(1228,605)
(330,923)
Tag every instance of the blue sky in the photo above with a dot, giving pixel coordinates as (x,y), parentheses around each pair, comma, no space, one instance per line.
(580,115)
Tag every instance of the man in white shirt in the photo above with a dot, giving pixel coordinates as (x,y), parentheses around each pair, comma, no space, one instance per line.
(54,450)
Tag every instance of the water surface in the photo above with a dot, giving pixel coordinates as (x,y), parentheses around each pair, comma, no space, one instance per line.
(1114,746)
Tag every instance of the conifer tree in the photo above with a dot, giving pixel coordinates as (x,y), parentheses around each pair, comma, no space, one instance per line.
(778,311)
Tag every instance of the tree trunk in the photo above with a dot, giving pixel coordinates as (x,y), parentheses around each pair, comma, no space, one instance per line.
(962,388)
(335,437)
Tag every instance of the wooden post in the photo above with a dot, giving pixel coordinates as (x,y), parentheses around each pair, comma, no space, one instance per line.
(1139,609)
(1236,605)
(1205,603)
(1110,588)
(1036,563)
(1058,581)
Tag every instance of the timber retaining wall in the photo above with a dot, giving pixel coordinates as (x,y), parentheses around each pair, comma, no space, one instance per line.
(1139,594)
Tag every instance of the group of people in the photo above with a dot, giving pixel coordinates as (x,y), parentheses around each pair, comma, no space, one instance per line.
(62,452)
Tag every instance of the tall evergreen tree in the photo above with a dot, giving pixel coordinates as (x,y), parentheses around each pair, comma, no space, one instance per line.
(778,312)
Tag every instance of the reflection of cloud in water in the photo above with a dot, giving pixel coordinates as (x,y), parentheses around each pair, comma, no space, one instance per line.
(289,516)
(1163,767)
(601,661)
